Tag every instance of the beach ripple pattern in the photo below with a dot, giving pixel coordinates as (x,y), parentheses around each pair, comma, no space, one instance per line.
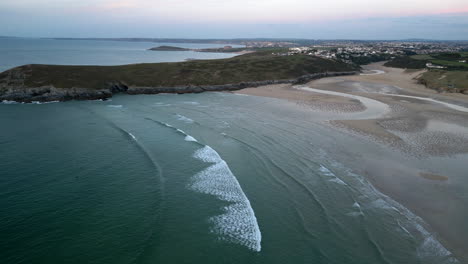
(238,223)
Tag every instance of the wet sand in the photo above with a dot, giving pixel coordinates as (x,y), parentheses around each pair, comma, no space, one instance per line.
(389,107)
(424,135)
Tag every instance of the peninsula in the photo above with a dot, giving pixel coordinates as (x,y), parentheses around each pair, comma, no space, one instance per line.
(43,83)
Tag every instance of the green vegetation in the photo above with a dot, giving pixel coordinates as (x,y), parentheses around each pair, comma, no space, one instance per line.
(453,78)
(258,66)
(407,63)
(450,60)
(448,81)
(422,57)
(363,60)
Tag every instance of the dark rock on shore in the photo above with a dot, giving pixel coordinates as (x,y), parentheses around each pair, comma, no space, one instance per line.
(15,91)
(48,94)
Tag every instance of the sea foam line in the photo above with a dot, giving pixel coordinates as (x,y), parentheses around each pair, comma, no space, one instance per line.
(238,223)
(184,119)
(330,174)
(9,102)
(429,248)
(130,134)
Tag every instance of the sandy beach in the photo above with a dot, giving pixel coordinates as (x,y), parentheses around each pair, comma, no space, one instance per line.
(352,103)
(423,136)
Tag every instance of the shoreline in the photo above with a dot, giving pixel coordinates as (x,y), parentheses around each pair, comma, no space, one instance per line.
(50,93)
(422,126)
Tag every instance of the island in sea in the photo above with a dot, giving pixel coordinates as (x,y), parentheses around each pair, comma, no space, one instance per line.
(225,49)
(169,48)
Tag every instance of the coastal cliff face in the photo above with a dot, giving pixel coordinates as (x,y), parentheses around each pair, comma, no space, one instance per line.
(12,88)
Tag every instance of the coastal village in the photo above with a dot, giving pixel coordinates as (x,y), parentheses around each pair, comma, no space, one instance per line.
(359,53)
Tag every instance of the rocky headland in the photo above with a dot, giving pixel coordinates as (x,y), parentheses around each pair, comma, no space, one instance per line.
(44,83)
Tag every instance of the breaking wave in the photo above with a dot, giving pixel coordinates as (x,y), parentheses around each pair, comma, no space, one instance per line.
(9,102)
(130,134)
(324,170)
(428,249)
(190,138)
(238,223)
(184,119)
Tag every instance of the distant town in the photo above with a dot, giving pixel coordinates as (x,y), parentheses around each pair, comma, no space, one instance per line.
(361,53)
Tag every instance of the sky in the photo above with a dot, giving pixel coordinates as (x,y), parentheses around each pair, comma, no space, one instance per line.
(311,19)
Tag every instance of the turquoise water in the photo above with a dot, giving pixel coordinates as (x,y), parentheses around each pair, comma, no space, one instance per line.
(20,51)
(200,178)
(205,178)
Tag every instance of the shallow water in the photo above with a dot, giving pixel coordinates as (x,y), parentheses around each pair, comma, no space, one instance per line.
(200,178)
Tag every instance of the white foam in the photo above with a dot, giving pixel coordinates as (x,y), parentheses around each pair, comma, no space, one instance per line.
(161,104)
(181,131)
(115,106)
(9,102)
(337,180)
(191,103)
(403,228)
(50,102)
(354,214)
(429,249)
(190,138)
(382,204)
(132,136)
(238,223)
(325,171)
(328,173)
(184,119)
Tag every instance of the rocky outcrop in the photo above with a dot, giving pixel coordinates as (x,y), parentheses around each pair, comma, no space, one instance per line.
(14,90)
(48,94)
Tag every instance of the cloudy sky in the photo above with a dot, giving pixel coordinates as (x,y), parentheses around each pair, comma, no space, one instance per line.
(326,19)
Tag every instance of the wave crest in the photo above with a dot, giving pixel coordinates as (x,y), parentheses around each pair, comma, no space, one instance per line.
(238,223)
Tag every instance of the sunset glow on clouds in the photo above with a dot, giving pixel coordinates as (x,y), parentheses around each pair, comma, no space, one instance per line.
(74,13)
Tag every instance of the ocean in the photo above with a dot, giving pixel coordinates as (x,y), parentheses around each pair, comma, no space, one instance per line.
(20,51)
(194,178)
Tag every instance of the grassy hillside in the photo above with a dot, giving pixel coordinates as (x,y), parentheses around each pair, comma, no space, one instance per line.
(257,66)
(447,81)
(406,62)
(449,60)
(453,78)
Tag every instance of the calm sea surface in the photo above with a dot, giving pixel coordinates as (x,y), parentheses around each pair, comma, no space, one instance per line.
(199,178)
(19,51)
